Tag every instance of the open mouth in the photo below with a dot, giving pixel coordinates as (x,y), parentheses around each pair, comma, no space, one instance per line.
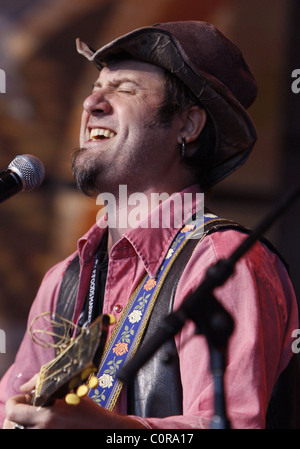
(101,133)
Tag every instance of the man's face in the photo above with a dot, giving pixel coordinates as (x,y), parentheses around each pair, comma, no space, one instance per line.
(119,142)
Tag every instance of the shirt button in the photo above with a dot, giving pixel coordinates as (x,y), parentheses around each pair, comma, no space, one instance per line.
(118,308)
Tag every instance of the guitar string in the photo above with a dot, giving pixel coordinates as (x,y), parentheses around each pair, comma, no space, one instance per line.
(64,324)
(55,321)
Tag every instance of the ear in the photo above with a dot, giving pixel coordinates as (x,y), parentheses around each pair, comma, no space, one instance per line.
(193,121)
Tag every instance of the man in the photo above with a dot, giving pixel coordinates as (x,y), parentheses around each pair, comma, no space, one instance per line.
(167,115)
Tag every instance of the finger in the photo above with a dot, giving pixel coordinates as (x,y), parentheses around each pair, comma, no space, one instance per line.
(29,386)
(19,411)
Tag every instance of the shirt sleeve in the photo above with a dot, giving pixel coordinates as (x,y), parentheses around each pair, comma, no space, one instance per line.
(30,356)
(260,298)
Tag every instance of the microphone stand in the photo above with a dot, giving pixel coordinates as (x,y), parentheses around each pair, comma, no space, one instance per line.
(210,317)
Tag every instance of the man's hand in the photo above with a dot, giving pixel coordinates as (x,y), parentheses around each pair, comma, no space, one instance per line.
(86,415)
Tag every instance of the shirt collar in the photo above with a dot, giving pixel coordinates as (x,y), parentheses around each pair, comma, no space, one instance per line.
(152,243)
(152,239)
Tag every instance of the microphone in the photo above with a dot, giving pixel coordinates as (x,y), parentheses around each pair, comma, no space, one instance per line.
(24,173)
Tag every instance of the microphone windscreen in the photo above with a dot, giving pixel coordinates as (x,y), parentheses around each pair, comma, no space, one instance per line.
(30,169)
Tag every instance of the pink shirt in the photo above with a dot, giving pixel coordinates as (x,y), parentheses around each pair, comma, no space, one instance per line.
(259,296)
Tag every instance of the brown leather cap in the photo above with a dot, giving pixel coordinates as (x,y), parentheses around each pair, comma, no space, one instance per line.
(211,66)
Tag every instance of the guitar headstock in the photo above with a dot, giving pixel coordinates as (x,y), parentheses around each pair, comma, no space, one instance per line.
(73,365)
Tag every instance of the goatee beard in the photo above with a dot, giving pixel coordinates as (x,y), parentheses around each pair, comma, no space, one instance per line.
(84,173)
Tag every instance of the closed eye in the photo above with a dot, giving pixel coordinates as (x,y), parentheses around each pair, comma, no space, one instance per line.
(123,85)
(126,90)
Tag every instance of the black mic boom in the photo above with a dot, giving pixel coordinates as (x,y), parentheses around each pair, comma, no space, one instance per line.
(24,173)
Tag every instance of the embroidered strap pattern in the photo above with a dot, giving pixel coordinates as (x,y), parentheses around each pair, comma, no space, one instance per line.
(129,330)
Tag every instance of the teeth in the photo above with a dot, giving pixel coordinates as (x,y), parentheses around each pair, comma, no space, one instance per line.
(101,132)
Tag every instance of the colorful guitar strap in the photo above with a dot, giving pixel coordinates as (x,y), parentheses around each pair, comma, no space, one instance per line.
(129,330)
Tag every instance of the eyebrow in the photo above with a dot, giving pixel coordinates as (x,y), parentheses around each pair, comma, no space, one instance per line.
(117,82)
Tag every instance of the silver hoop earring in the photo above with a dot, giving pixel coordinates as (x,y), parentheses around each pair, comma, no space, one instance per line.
(183,148)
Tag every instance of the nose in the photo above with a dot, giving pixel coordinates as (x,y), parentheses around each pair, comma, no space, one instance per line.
(96,103)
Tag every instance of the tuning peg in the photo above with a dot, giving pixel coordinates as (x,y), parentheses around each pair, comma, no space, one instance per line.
(82,391)
(72,399)
(112,319)
(93,382)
